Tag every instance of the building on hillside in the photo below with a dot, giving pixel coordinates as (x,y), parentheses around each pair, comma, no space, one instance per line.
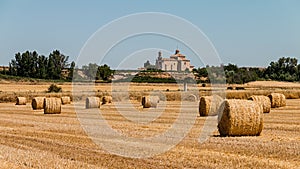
(4,68)
(65,72)
(176,62)
(148,65)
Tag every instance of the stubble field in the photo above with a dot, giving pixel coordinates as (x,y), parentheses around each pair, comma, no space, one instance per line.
(30,139)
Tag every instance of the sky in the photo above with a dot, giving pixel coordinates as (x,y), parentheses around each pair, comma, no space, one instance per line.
(242,32)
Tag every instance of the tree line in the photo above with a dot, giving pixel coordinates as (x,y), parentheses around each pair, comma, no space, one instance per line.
(33,65)
(285,69)
(55,67)
(92,71)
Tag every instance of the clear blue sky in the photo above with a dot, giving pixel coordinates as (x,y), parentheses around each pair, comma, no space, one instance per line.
(247,33)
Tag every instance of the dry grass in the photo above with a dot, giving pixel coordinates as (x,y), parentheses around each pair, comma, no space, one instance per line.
(31,140)
(133,91)
(273,84)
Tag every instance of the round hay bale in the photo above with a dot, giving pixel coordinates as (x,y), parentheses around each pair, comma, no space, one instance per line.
(37,103)
(209,105)
(240,118)
(21,101)
(191,98)
(277,100)
(263,101)
(106,99)
(65,100)
(52,106)
(92,102)
(156,98)
(282,100)
(150,101)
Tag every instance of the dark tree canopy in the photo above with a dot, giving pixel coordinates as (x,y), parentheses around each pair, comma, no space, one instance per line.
(30,64)
(95,72)
(285,69)
(104,73)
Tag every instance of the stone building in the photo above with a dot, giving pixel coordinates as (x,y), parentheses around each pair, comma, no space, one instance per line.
(176,62)
(148,65)
(4,68)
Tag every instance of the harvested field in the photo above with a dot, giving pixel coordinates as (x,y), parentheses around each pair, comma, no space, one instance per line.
(9,91)
(30,139)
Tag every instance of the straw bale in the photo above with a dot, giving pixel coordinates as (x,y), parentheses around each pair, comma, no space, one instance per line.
(52,105)
(92,102)
(263,101)
(240,118)
(209,105)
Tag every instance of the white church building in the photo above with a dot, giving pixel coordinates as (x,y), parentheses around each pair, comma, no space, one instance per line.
(176,62)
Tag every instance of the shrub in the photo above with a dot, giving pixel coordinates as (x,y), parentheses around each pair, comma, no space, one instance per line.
(239,88)
(229,88)
(149,79)
(54,89)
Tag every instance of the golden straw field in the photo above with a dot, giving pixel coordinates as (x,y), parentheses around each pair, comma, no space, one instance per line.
(32,139)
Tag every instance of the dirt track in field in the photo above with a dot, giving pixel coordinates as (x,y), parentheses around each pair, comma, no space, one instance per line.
(30,139)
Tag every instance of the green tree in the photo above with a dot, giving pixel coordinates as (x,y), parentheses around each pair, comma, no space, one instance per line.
(51,74)
(20,65)
(31,64)
(105,73)
(24,64)
(71,71)
(57,62)
(231,67)
(13,68)
(285,69)
(202,72)
(42,67)
(90,71)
